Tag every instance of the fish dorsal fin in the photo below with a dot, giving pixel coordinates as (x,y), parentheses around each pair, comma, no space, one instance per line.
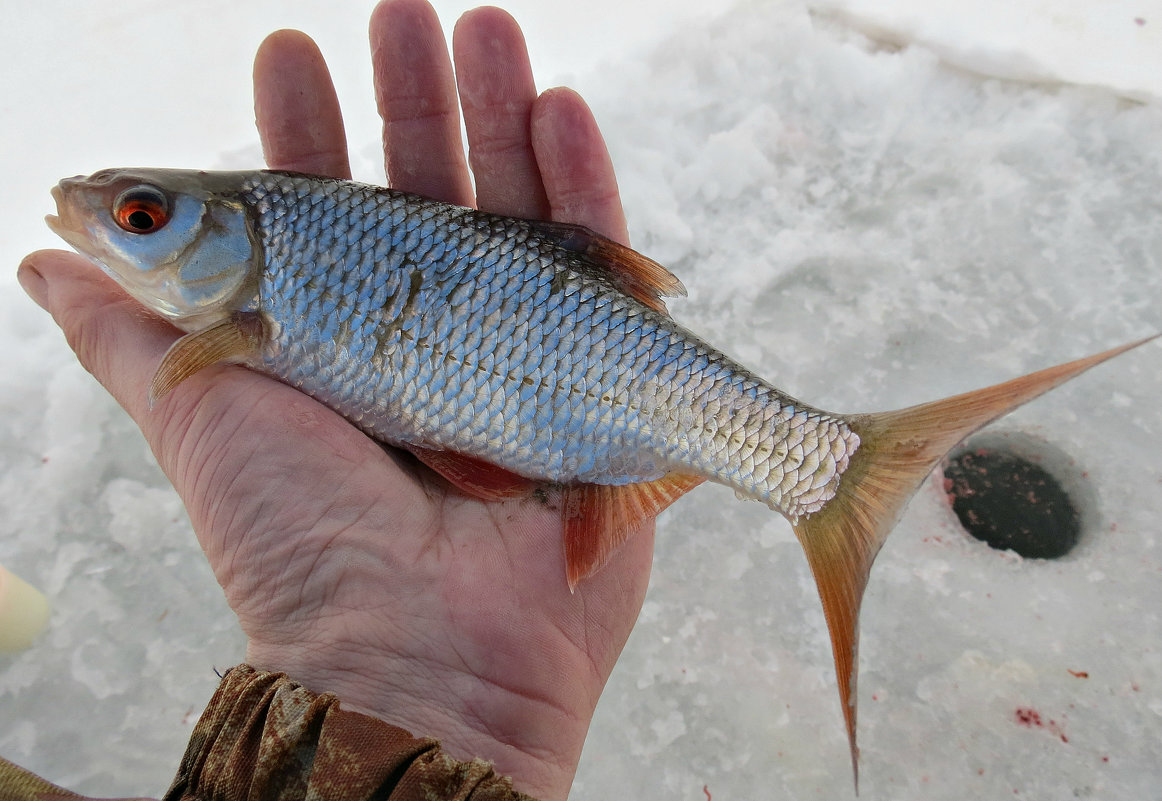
(897,451)
(474,477)
(599,517)
(236,339)
(631,272)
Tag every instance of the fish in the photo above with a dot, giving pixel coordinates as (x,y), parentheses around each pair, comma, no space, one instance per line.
(510,356)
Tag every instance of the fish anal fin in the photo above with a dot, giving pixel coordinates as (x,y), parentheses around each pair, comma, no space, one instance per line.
(598,518)
(235,339)
(897,452)
(630,271)
(474,477)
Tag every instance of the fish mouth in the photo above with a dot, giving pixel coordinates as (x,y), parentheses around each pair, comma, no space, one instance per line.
(54,221)
(61,228)
(55,225)
(63,223)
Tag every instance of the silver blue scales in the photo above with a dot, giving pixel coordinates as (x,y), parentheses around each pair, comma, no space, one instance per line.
(439,326)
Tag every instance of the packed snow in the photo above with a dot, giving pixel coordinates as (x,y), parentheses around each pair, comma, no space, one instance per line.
(872,205)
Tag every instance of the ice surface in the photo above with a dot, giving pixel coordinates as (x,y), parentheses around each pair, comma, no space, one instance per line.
(859,222)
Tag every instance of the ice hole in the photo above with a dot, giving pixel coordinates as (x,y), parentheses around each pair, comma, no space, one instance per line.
(1014,492)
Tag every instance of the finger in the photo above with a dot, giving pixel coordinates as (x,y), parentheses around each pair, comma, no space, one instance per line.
(575,164)
(497,93)
(415,90)
(296,109)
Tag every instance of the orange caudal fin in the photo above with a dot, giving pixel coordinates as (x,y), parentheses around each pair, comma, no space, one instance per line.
(599,517)
(897,451)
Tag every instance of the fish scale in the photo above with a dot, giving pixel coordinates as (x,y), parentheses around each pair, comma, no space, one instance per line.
(480,279)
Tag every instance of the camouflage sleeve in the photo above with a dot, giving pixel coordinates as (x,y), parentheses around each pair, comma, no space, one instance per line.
(264,736)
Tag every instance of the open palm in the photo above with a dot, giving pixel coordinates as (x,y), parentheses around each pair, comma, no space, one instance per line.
(349,567)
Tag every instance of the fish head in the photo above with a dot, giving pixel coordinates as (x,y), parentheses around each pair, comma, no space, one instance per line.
(179,241)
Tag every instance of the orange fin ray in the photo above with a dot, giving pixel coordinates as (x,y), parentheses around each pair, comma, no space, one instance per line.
(474,477)
(630,271)
(897,452)
(235,339)
(598,518)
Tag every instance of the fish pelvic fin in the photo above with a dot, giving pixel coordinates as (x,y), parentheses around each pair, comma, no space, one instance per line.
(897,451)
(474,477)
(236,339)
(596,518)
(599,517)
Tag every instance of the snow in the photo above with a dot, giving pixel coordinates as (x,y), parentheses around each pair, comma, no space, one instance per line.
(869,222)
(1115,44)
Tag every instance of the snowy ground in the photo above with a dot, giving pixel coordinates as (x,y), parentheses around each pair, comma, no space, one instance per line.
(869,223)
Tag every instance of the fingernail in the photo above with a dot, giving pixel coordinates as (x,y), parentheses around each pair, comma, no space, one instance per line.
(33,283)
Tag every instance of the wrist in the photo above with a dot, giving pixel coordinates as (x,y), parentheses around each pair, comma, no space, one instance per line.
(528,735)
(263,734)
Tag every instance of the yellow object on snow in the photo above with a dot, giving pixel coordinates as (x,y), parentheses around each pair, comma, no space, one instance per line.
(23,612)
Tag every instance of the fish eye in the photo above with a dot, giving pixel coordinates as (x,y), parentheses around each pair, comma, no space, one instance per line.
(141,210)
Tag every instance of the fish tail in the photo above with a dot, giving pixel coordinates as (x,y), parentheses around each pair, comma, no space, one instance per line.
(897,451)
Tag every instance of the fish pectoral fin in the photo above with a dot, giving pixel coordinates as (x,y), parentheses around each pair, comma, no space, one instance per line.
(599,517)
(473,477)
(630,271)
(235,339)
(897,452)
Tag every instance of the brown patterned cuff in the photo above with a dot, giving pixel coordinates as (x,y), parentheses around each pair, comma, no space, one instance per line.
(264,736)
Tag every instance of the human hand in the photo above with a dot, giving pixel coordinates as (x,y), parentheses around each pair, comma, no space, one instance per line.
(348,568)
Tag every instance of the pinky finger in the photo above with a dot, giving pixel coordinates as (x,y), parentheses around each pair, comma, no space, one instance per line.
(575,164)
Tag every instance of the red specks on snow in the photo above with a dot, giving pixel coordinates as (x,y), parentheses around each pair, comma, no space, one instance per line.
(1031,718)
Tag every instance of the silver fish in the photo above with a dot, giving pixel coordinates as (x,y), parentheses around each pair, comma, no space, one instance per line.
(507,354)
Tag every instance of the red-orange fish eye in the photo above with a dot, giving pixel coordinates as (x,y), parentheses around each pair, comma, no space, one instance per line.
(141,210)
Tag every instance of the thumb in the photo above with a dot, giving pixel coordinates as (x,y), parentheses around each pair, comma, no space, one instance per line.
(223,417)
(121,344)
(114,338)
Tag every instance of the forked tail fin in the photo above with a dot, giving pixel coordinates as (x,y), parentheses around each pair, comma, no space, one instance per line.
(897,451)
